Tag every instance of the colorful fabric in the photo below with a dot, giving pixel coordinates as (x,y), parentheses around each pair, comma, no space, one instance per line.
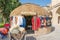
(16,20)
(7,25)
(43,21)
(48,21)
(19,20)
(41,18)
(47,18)
(36,23)
(3,30)
(24,23)
(11,20)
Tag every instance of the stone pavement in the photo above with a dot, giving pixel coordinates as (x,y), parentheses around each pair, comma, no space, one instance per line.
(55,35)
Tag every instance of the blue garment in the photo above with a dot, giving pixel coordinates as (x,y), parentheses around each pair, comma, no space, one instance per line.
(41,18)
(47,18)
(24,23)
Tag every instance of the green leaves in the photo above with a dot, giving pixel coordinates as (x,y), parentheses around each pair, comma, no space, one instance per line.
(8,5)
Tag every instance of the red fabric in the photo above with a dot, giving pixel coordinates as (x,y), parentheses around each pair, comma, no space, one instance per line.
(7,25)
(38,23)
(4,30)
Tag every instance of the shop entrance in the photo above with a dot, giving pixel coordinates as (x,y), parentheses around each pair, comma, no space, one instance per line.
(28,22)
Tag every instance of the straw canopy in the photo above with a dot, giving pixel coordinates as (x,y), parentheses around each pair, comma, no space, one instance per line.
(58,10)
(50,13)
(29,9)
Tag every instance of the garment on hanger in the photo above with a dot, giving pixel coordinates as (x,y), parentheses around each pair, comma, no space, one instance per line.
(19,20)
(23,23)
(11,19)
(48,21)
(42,21)
(35,23)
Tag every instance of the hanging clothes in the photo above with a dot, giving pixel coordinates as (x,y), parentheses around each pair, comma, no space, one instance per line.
(13,24)
(48,23)
(19,20)
(36,23)
(21,23)
(4,30)
(11,20)
(24,23)
(42,21)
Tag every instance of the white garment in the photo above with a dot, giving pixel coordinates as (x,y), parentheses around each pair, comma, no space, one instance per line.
(13,21)
(20,20)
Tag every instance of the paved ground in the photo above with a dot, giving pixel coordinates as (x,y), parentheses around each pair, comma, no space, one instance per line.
(55,35)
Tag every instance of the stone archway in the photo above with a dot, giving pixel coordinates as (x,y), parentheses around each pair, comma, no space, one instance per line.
(58,12)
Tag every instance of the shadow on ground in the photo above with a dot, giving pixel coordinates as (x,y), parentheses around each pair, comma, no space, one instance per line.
(30,38)
(52,29)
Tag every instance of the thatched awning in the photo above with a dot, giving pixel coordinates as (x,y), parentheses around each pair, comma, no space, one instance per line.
(58,10)
(50,13)
(29,9)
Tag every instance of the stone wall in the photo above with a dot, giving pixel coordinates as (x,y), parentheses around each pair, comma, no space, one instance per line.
(55,15)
